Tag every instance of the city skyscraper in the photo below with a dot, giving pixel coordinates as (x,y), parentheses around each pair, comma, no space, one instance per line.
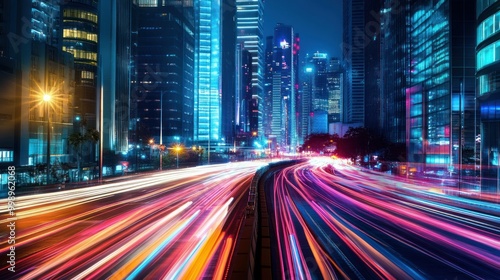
(244,91)
(80,38)
(249,22)
(207,67)
(488,91)
(164,61)
(395,65)
(37,79)
(114,72)
(353,47)
(268,87)
(334,84)
(228,81)
(440,118)
(306,89)
(285,88)
(320,94)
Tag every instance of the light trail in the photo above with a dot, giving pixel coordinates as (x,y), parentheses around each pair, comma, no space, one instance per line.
(355,224)
(146,227)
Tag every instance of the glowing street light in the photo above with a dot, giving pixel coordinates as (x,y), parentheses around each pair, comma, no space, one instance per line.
(177,149)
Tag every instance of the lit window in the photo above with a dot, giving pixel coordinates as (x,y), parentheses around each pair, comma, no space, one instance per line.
(6,156)
(72,13)
(87,75)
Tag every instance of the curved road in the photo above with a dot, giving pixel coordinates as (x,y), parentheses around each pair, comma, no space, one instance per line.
(333,221)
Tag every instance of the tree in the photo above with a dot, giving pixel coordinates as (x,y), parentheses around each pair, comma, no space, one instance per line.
(319,142)
(78,139)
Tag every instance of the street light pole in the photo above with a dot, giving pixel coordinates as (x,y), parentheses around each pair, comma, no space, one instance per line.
(177,150)
(101,132)
(46,99)
(161,129)
(209,122)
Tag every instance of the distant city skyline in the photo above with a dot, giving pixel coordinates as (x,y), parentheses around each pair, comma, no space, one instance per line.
(319,26)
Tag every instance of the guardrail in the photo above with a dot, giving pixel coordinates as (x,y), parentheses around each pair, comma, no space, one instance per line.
(243,262)
(252,257)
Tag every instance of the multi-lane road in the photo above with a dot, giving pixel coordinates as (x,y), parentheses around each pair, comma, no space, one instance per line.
(333,221)
(328,220)
(167,225)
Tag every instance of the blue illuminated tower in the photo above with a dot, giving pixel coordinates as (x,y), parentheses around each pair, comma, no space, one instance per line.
(207,69)
(249,22)
(442,86)
(285,58)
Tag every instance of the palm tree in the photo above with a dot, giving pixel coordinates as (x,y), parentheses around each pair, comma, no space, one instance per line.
(78,139)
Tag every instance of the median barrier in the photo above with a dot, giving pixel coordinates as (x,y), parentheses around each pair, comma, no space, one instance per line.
(252,255)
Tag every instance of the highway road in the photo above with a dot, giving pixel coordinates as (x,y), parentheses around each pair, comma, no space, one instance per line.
(331,220)
(166,225)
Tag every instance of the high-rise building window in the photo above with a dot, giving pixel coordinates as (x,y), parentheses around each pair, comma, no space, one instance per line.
(488,27)
(72,13)
(6,156)
(79,34)
(488,55)
(87,75)
(147,3)
(483,4)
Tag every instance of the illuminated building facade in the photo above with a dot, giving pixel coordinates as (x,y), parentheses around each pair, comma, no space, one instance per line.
(306,90)
(320,94)
(80,38)
(33,66)
(285,80)
(207,69)
(249,24)
(334,84)
(268,87)
(488,91)
(244,91)
(440,95)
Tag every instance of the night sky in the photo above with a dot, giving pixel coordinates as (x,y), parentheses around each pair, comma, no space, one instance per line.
(318,22)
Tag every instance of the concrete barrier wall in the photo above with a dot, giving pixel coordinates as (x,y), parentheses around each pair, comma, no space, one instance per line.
(252,255)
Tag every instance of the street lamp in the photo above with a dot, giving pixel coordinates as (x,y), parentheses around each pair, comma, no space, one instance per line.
(161,128)
(151,143)
(177,149)
(46,99)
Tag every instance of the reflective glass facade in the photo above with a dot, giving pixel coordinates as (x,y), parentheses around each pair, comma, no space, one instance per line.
(356,45)
(488,91)
(164,60)
(285,63)
(395,65)
(249,24)
(207,126)
(80,38)
(440,94)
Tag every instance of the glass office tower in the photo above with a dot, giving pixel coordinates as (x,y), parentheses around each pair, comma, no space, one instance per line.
(207,61)
(164,61)
(80,38)
(395,34)
(249,24)
(488,91)
(440,94)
